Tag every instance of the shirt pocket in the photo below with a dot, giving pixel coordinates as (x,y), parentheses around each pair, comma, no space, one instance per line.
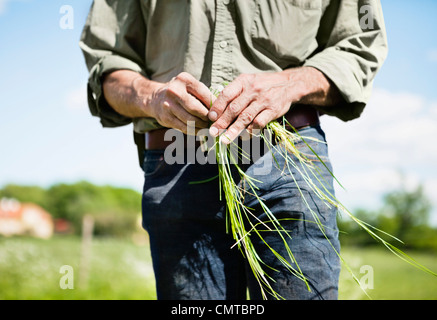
(285,30)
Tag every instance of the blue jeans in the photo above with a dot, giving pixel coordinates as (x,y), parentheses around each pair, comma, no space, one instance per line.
(191,251)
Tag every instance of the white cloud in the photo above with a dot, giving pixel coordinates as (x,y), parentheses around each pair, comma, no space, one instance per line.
(433,109)
(396,134)
(393,129)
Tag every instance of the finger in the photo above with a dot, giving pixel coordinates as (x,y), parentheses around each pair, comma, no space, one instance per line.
(261,121)
(177,124)
(193,106)
(231,92)
(202,93)
(180,113)
(243,121)
(185,128)
(237,109)
(177,90)
(197,89)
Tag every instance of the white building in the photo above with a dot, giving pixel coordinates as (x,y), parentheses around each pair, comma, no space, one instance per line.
(24,219)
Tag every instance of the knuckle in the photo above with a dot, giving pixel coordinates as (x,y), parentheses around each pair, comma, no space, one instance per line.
(257,87)
(172,89)
(234,108)
(184,77)
(247,79)
(230,92)
(166,110)
(165,105)
(246,118)
(225,95)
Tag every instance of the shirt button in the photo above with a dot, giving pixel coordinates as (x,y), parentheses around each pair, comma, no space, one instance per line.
(223,44)
(226,2)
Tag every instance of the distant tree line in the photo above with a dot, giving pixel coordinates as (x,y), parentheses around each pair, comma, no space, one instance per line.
(115,210)
(404,214)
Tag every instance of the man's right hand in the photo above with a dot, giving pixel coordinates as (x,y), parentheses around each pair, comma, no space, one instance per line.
(181,100)
(172,104)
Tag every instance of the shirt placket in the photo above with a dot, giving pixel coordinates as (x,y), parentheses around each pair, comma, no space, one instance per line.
(222,69)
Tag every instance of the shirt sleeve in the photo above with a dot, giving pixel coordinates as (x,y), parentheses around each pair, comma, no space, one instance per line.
(353,37)
(113,39)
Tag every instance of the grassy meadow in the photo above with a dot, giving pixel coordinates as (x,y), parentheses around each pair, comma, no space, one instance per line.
(116,269)
(121,269)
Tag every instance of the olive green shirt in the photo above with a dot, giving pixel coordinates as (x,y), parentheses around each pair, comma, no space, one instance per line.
(216,40)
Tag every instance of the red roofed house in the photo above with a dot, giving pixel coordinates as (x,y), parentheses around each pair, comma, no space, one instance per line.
(24,219)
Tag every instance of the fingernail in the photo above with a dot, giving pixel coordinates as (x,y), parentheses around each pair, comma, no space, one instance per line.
(212,116)
(213,131)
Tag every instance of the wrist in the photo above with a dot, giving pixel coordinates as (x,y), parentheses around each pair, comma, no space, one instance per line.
(141,96)
(300,86)
(146,96)
(310,86)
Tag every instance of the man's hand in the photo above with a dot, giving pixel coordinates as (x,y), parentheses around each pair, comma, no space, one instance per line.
(251,101)
(181,100)
(172,104)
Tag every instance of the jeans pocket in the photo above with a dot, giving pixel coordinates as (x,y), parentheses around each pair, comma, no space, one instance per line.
(313,144)
(153,162)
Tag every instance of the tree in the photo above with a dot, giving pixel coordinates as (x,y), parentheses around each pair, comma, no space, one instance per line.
(31,194)
(404,215)
(114,210)
(406,210)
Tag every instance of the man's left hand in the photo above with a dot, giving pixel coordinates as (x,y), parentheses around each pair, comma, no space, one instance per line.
(251,101)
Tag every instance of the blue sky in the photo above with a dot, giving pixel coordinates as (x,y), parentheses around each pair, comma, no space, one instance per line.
(47,134)
(412,62)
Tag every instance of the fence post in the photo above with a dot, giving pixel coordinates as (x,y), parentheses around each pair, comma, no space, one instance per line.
(85,252)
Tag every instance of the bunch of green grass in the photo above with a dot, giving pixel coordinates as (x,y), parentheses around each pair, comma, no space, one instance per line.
(242,223)
(240,217)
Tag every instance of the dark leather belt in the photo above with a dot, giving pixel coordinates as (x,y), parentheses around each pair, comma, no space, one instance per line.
(299,116)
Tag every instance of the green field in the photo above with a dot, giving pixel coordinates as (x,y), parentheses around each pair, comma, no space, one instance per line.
(30,269)
(116,269)
(393,279)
